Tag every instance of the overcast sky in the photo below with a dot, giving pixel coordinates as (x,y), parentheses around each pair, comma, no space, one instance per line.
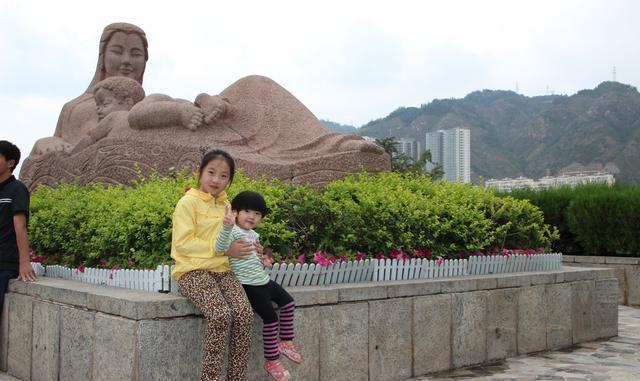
(347,61)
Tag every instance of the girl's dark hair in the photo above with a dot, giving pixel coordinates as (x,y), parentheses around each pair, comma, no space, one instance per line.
(10,152)
(218,153)
(248,200)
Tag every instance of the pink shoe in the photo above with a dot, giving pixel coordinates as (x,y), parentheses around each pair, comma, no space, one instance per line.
(277,371)
(289,351)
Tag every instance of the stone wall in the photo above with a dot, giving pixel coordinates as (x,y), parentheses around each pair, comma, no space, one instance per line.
(65,330)
(627,271)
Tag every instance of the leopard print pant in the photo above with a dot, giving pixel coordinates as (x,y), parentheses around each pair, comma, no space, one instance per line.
(224,304)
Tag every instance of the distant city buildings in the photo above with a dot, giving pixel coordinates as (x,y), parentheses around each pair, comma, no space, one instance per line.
(566,179)
(409,147)
(451,149)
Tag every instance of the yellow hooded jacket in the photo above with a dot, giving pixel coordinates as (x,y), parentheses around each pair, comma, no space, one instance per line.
(196,222)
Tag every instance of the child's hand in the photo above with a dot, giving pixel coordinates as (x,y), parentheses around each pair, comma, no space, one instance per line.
(266,261)
(229,216)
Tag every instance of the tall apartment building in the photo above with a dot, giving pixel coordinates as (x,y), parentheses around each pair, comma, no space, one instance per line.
(409,147)
(451,149)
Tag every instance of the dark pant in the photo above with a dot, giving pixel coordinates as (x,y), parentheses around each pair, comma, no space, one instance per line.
(261,297)
(5,276)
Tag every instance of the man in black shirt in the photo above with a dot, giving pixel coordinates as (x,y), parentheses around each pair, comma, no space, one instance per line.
(14,211)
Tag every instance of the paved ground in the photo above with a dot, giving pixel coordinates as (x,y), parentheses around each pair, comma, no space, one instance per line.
(616,359)
(6,377)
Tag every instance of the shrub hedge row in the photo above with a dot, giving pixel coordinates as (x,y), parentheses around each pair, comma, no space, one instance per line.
(372,214)
(592,219)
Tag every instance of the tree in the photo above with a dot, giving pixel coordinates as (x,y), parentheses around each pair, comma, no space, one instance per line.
(405,164)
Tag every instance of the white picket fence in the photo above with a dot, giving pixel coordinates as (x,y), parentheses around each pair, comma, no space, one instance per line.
(335,273)
(147,280)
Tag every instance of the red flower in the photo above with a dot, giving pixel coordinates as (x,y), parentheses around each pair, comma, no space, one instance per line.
(360,256)
(381,256)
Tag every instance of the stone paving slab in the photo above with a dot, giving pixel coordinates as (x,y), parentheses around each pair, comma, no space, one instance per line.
(616,359)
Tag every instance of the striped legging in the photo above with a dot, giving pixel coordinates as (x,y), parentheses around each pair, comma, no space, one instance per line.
(261,298)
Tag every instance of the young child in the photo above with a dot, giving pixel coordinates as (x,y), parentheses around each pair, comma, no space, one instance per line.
(14,211)
(247,210)
(203,273)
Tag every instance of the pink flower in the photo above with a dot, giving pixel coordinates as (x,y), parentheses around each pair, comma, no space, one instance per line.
(440,261)
(320,260)
(301,258)
(80,268)
(360,256)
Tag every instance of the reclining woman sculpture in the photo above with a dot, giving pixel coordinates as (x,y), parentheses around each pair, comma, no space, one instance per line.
(260,123)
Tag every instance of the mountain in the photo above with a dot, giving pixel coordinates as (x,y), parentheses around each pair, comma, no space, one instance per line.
(341,128)
(514,135)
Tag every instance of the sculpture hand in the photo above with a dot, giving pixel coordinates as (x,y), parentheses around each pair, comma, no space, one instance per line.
(50,144)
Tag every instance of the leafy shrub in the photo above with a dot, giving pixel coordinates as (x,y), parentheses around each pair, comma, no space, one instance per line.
(592,219)
(606,221)
(383,213)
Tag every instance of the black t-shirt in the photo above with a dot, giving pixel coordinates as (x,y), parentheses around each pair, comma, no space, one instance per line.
(14,199)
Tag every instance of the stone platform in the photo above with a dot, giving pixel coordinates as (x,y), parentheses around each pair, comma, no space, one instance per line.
(64,330)
(616,359)
(627,271)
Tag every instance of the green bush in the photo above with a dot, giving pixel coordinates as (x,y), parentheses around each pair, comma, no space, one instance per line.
(606,221)
(554,203)
(131,226)
(591,219)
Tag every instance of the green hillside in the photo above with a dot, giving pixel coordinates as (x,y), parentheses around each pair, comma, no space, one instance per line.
(514,135)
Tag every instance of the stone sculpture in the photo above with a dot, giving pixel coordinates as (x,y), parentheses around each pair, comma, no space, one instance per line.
(267,130)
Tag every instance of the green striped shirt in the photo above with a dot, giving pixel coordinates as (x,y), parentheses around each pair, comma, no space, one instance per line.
(248,271)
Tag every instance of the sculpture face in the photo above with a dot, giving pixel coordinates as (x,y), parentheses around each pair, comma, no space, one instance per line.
(107,103)
(124,56)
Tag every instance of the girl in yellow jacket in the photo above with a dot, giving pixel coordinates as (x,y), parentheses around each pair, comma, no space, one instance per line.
(204,275)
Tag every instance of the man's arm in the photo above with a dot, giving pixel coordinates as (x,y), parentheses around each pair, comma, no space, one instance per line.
(26,271)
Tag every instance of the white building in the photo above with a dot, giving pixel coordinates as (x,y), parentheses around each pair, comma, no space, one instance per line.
(566,179)
(507,184)
(451,149)
(409,147)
